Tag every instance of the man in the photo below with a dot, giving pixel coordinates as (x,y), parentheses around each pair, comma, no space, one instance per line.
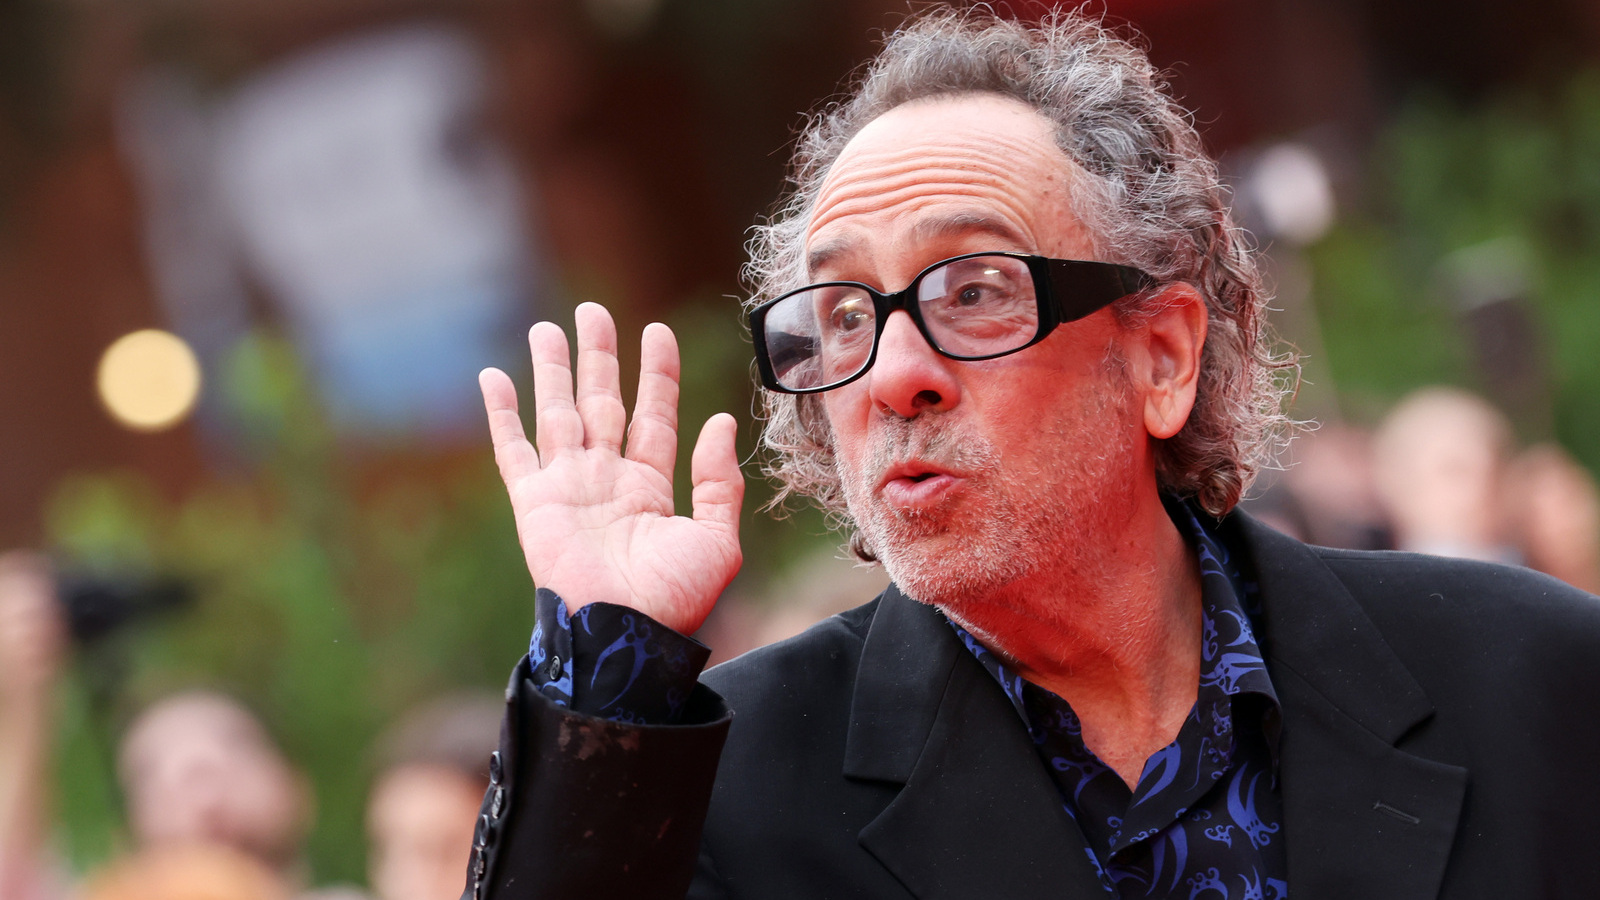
(1012,338)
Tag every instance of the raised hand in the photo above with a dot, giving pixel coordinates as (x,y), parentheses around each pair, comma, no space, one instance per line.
(32,630)
(596,521)
(32,649)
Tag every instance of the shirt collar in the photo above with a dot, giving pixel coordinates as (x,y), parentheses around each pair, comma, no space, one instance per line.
(1232,667)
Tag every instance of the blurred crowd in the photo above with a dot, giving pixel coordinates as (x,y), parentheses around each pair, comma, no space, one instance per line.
(216,810)
(1442,473)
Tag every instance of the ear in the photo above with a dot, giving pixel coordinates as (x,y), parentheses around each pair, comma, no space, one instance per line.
(1163,355)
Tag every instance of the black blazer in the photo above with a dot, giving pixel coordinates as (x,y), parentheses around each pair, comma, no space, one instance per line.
(1441,738)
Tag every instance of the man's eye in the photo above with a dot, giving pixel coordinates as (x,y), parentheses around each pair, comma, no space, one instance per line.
(971,295)
(850,316)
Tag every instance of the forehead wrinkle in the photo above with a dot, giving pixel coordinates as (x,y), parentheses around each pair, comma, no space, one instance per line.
(1008,236)
(904,167)
(912,191)
(925,161)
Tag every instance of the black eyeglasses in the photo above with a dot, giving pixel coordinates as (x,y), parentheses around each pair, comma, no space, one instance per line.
(971,307)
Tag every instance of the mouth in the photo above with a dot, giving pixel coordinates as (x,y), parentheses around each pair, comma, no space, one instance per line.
(916,484)
(915,471)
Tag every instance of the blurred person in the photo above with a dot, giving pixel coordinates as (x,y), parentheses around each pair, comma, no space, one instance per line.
(733,628)
(1439,458)
(32,648)
(198,767)
(186,872)
(194,768)
(1334,489)
(1554,507)
(424,802)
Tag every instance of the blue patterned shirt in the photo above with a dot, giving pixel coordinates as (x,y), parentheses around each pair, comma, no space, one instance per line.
(611,661)
(1204,821)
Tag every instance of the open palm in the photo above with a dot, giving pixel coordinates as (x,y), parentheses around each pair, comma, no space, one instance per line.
(596,522)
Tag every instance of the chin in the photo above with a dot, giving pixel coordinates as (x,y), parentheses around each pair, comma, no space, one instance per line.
(951,570)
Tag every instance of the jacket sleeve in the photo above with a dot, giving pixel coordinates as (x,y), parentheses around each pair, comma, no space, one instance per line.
(586,807)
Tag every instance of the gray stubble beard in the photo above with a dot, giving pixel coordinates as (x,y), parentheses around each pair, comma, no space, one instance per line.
(1005,526)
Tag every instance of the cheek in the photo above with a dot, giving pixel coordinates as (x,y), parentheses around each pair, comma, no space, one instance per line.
(848,411)
(1014,429)
(1024,402)
(1011,411)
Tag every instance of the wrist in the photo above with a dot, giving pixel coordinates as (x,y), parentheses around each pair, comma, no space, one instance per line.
(683,622)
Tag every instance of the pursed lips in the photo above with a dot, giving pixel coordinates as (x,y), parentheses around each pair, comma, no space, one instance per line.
(915,483)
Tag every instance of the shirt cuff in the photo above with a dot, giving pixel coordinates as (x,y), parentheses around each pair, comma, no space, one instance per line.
(612,661)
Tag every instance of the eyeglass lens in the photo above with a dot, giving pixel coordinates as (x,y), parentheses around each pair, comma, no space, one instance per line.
(973,307)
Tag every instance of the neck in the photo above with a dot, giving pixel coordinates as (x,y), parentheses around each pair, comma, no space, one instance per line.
(1114,631)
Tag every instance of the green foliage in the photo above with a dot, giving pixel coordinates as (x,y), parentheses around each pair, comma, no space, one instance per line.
(1381,338)
(1519,174)
(326,604)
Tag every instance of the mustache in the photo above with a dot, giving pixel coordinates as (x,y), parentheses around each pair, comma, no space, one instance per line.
(932,439)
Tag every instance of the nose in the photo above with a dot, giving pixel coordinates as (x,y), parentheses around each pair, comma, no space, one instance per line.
(909,377)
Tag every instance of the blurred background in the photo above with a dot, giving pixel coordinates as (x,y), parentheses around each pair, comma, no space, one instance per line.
(253,253)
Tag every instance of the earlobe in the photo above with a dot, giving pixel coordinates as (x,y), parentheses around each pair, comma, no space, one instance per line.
(1172,341)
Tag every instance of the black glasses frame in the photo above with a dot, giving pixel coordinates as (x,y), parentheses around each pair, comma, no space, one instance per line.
(1064,290)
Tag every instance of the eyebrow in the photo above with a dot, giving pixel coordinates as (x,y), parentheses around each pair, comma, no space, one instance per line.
(966,223)
(817,257)
(923,231)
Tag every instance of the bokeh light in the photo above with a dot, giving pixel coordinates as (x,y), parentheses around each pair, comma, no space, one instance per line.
(149,380)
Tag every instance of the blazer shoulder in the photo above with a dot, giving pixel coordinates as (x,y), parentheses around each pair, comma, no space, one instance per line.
(1478,601)
(1450,613)
(1493,586)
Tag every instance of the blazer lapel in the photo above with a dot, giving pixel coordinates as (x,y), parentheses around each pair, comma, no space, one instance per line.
(978,815)
(1362,818)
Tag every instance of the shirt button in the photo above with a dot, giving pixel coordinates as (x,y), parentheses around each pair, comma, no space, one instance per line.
(495,768)
(553,671)
(497,805)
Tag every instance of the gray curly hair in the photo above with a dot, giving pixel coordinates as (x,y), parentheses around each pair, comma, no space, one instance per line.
(1152,199)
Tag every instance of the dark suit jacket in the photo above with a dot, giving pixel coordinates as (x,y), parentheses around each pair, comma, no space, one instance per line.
(1441,738)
